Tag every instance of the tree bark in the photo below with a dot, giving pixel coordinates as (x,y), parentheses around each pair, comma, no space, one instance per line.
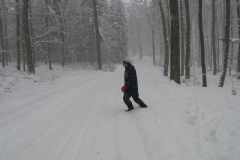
(5,32)
(188,39)
(18,40)
(31,36)
(168,20)
(153,46)
(182,39)
(204,76)
(238,59)
(62,37)
(2,41)
(47,29)
(165,36)
(97,35)
(226,43)
(27,41)
(175,55)
(140,40)
(214,38)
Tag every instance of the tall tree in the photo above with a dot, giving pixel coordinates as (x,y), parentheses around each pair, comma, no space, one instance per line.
(149,9)
(47,16)
(97,35)
(31,34)
(165,36)
(5,32)
(139,37)
(204,76)
(2,40)
(213,38)
(238,15)
(135,14)
(182,33)
(27,40)
(188,40)
(175,54)
(226,43)
(60,17)
(18,29)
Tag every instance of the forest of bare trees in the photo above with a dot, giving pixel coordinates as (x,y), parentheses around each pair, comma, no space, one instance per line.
(62,32)
(199,28)
(179,35)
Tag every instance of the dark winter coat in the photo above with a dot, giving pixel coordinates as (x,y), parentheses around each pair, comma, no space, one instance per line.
(130,80)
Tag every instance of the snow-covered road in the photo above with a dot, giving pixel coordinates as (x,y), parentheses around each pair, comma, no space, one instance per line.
(83,118)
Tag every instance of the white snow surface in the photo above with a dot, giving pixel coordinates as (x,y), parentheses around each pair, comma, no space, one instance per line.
(78,114)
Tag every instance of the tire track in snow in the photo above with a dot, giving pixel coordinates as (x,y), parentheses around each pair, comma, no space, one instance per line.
(104,147)
(43,109)
(56,153)
(51,122)
(131,143)
(28,107)
(51,98)
(94,124)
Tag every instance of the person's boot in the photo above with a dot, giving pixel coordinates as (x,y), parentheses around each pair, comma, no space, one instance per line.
(143,105)
(130,106)
(129,109)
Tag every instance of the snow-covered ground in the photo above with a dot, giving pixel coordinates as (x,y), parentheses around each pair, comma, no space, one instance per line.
(68,114)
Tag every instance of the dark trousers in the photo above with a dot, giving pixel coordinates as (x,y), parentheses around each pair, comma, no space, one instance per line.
(126,99)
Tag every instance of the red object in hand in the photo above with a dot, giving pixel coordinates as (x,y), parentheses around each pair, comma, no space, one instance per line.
(123,88)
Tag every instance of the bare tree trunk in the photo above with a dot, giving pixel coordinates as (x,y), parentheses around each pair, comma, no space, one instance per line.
(140,40)
(218,44)
(153,47)
(47,29)
(168,20)
(204,76)
(31,37)
(226,43)
(152,27)
(188,40)
(223,25)
(97,35)
(238,59)
(5,32)
(59,13)
(23,48)
(165,36)
(62,37)
(175,55)
(182,39)
(27,40)
(213,38)
(2,41)
(18,40)
(232,45)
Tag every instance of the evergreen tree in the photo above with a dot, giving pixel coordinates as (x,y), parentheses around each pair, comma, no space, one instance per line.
(119,31)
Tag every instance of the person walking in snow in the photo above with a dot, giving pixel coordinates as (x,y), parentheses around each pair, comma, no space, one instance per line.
(130,87)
